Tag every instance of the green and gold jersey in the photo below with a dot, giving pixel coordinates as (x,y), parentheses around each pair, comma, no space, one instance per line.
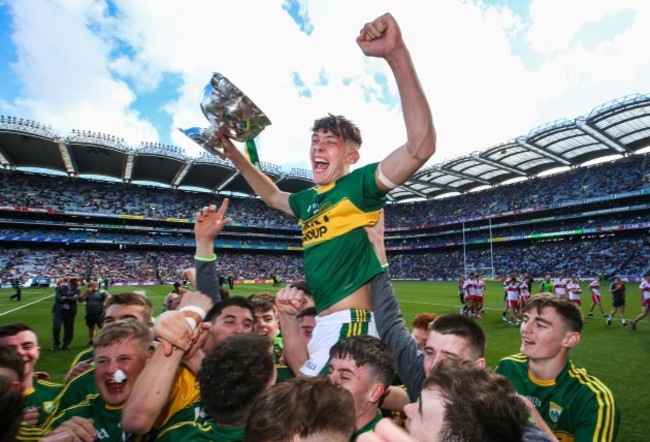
(193,424)
(107,420)
(338,258)
(29,433)
(575,405)
(42,395)
(75,391)
(370,426)
(284,373)
(83,355)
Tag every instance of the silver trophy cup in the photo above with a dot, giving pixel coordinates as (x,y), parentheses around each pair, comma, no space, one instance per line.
(228,110)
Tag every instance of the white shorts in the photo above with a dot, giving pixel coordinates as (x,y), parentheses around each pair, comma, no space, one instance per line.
(333,328)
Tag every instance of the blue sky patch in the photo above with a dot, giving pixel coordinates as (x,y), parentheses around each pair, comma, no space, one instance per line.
(300,85)
(593,35)
(9,83)
(299,15)
(151,104)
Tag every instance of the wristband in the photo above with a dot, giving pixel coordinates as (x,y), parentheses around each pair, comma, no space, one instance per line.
(210,259)
(195,309)
(193,315)
(384,266)
(191,321)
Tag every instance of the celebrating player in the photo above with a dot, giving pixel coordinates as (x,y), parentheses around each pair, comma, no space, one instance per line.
(339,261)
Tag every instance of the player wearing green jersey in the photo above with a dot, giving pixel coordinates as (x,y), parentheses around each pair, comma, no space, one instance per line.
(267,324)
(232,375)
(39,394)
(80,382)
(302,409)
(575,405)
(339,261)
(122,350)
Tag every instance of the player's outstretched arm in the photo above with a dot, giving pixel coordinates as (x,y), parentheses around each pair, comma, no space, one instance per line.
(208,224)
(382,38)
(261,184)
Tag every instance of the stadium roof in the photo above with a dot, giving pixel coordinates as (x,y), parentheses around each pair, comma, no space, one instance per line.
(620,127)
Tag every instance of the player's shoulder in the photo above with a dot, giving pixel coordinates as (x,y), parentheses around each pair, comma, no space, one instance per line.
(515,362)
(86,353)
(587,383)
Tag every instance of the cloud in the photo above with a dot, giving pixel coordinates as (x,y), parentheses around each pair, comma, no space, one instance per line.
(83,64)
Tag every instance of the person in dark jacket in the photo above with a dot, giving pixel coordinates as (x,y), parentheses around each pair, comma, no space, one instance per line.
(64,312)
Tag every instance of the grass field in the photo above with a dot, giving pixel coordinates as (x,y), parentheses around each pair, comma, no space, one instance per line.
(618,356)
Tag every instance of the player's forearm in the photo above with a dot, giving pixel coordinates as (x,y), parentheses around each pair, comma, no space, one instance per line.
(207,280)
(392,330)
(294,347)
(151,392)
(204,248)
(420,131)
(261,184)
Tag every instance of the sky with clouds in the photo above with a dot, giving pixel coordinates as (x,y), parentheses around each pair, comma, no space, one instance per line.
(491,70)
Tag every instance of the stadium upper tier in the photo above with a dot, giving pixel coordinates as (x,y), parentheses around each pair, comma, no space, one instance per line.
(626,177)
(617,128)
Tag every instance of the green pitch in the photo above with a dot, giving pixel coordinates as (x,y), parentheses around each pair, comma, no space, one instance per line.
(617,355)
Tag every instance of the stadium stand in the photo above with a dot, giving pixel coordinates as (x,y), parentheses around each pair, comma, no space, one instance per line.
(490,211)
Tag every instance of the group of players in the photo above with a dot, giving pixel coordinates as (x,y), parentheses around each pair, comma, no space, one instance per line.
(517,294)
(207,377)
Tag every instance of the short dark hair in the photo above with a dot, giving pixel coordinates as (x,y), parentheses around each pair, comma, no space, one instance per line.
(237,301)
(14,328)
(301,285)
(339,126)
(270,297)
(568,311)
(309,311)
(479,404)
(261,305)
(464,327)
(367,350)
(301,407)
(233,374)
(11,360)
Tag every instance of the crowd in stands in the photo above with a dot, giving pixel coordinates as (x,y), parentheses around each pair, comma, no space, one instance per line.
(608,255)
(105,198)
(584,257)
(151,237)
(121,266)
(577,185)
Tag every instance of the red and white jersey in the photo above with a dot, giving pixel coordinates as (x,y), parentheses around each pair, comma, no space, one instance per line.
(559,287)
(645,289)
(469,288)
(523,290)
(512,290)
(574,291)
(480,288)
(595,287)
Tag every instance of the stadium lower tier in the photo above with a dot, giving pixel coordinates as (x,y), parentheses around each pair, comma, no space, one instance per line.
(585,257)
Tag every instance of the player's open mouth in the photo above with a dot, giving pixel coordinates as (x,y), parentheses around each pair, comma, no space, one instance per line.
(527,341)
(320,165)
(115,387)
